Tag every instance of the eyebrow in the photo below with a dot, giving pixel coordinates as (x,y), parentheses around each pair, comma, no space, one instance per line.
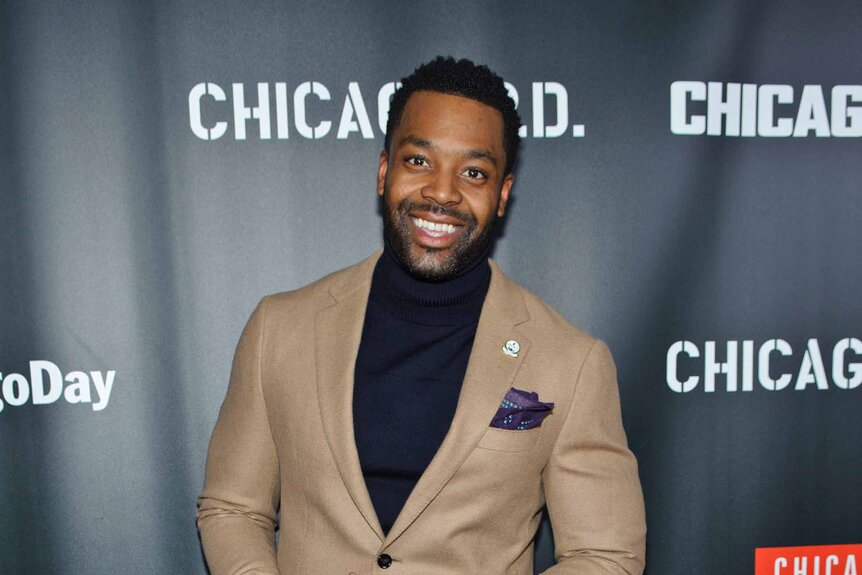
(475,154)
(481,155)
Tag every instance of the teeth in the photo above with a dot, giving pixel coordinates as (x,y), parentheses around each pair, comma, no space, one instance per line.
(434,227)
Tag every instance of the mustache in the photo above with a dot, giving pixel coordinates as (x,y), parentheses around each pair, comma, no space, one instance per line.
(407,206)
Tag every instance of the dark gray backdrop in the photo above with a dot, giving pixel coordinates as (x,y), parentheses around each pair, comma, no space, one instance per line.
(131,245)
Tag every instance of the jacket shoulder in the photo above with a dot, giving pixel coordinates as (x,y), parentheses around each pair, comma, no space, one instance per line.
(544,314)
(557,343)
(542,319)
(322,292)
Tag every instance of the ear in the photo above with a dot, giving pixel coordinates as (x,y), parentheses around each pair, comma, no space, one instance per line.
(381,172)
(504,194)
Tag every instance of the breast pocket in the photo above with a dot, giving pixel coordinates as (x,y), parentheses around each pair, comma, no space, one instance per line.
(509,440)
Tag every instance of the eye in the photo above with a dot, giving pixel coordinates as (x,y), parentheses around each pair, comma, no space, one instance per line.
(475,174)
(416,160)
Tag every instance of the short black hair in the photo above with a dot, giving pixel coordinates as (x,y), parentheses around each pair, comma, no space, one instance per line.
(460,78)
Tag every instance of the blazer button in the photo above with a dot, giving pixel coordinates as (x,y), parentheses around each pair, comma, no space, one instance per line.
(384,561)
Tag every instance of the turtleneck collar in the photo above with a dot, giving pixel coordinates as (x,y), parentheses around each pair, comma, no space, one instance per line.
(454,302)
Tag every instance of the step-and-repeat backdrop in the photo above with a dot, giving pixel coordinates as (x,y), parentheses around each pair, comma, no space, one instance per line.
(690,191)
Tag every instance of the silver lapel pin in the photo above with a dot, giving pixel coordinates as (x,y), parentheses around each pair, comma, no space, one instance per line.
(511,348)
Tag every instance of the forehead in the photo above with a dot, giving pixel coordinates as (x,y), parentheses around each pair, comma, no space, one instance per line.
(445,118)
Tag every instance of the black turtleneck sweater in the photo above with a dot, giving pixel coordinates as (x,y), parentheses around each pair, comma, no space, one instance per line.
(416,341)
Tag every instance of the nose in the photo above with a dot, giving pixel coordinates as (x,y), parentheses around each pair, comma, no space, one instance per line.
(442,190)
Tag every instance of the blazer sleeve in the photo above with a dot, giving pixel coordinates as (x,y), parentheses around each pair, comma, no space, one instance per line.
(237,509)
(591,481)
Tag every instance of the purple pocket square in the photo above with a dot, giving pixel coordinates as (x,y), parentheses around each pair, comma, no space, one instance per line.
(521,410)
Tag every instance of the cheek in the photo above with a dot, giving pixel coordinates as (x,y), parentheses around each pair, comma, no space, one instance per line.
(400,186)
(484,210)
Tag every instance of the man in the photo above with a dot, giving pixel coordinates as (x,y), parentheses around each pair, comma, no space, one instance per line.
(414,413)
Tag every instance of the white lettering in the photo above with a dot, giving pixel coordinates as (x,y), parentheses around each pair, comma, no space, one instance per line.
(839,354)
(850,568)
(78,390)
(37,383)
(812,360)
(673,352)
(763,374)
(719,107)
(846,369)
(812,114)
(680,94)
(558,91)
(16,389)
(747,365)
(384,99)
(282,121)
(767,125)
(538,110)
(749,110)
(355,116)
(103,385)
(713,368)
(241,114)
(299,97)
(198,129)
(846,122)
(513,93)
(562,97)
(354,106)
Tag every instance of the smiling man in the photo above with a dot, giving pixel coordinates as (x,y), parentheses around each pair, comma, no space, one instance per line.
(446,183)
(415,412)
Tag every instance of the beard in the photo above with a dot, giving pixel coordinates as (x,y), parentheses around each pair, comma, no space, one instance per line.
(433,264)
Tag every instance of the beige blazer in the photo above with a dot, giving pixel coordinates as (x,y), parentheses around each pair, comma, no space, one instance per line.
(283,450)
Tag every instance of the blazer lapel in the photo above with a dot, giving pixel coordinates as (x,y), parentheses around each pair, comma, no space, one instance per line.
(490,374)
(338,330)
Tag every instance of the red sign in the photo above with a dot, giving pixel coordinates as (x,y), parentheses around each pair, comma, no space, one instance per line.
(811,560)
